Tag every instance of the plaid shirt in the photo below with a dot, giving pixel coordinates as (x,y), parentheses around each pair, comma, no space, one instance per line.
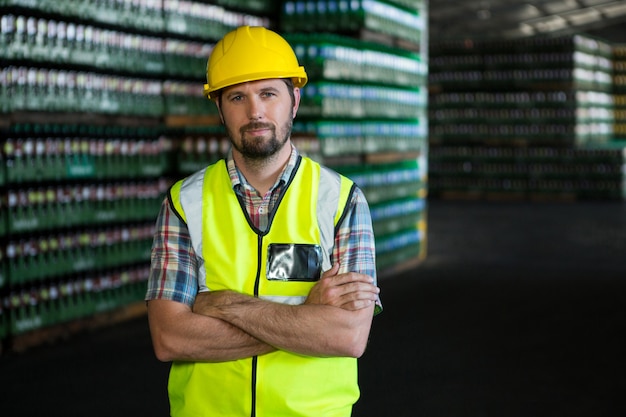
(173,272)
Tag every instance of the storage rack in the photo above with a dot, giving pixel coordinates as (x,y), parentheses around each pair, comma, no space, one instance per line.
(529,118)
(102,108)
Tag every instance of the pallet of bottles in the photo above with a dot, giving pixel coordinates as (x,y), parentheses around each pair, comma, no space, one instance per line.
(555,91)
(189,18)
(619,90)
(478,172)
(578,61)
(349,138)
(339,57)
(101,57)
(399,19)
(396,193)
(542,118)
(77,219)
(42,313)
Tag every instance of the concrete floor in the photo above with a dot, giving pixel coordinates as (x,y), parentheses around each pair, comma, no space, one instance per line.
(518,310)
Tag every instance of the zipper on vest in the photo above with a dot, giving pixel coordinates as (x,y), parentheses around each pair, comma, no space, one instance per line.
(253,386)
(259,263)
(255,359)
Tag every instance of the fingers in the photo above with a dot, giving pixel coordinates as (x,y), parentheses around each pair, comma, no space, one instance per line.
(334,270)
(345,278)
(358,291)
(356,301)
(350,291)
(357,305)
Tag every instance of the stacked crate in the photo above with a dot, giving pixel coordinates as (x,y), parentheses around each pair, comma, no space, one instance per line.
(524,118)
(365,103)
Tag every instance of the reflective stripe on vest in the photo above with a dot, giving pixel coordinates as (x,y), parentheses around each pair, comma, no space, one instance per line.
(280,383)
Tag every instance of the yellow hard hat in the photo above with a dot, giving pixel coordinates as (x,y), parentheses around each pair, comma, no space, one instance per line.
(251,53)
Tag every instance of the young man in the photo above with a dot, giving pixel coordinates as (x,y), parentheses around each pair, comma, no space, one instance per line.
(263,278)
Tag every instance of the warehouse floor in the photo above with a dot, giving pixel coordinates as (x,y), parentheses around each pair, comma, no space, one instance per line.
(518,310)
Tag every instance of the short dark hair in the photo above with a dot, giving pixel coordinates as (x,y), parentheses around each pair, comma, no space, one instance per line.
(290,88)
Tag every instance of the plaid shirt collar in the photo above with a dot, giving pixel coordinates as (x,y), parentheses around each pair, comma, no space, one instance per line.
(238,180)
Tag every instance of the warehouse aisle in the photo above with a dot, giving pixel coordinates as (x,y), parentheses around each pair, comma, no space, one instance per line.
(519,310)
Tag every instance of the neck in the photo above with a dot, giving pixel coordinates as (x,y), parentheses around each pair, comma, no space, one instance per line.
(263,173)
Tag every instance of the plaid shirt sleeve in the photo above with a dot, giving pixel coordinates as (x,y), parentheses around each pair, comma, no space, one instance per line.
(173,269)
(354,242)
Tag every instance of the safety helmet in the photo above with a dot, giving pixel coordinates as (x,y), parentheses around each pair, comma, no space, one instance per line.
(251,53)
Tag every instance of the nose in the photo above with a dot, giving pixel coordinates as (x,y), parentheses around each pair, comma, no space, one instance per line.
(255,109)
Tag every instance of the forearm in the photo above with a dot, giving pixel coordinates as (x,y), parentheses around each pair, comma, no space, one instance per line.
(178,334)
(314,330)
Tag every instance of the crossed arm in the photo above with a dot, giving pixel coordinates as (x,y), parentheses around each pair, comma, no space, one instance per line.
(334,320)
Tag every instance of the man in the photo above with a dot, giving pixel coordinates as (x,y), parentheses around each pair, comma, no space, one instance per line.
(263,279)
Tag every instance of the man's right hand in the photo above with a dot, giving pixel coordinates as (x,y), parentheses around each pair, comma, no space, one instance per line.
(350,290)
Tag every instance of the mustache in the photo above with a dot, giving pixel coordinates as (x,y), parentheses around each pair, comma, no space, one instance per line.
(255,126)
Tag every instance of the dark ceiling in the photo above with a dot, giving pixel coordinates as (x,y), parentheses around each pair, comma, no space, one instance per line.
(508,19)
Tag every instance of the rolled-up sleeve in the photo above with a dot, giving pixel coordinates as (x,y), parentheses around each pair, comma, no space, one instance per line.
(173,267)
(354,241)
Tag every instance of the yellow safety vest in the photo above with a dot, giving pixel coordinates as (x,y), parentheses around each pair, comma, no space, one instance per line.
(234,255)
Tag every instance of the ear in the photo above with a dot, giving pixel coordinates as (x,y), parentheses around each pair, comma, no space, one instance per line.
(296,101)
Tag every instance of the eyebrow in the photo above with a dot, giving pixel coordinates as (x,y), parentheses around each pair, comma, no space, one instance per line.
(237,92)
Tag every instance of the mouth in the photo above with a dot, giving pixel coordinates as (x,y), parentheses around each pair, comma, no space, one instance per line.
(257,131)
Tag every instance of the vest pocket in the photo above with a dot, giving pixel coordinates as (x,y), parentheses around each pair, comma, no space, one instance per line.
(294,262)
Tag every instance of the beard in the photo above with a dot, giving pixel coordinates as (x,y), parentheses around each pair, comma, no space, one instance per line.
(259,148)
